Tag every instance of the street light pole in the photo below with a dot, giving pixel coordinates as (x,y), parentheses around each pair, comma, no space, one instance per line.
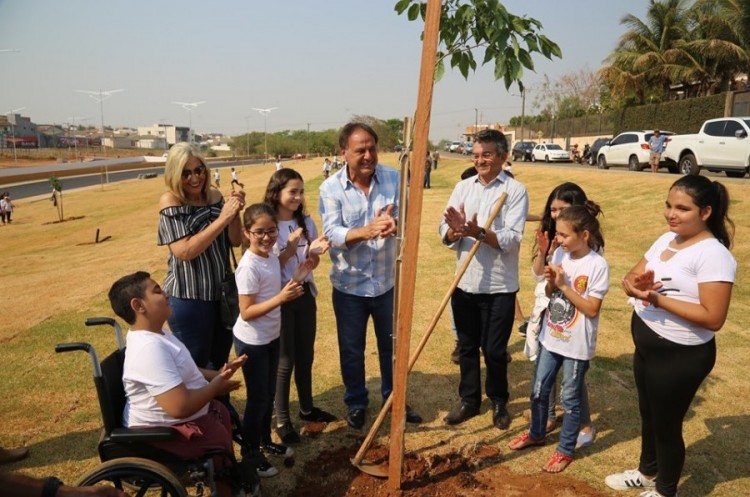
(100,96)
(264,113)
(190,107)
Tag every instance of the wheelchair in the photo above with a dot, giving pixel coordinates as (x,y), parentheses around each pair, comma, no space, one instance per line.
(128,462)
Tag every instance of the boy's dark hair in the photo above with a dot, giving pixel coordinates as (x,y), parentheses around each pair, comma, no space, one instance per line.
(127,288)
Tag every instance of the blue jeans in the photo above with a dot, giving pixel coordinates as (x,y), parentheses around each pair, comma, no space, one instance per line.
(197,324)
(574,373)
(352,313)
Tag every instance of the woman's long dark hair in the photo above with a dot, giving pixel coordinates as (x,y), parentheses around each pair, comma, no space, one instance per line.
(707,193)
(278,181)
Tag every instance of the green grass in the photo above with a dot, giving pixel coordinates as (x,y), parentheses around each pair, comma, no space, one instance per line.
(52,282)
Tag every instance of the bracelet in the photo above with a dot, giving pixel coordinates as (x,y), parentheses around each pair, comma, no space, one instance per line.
(51,484)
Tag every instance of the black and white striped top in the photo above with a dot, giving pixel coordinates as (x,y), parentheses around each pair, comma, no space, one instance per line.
(201,277)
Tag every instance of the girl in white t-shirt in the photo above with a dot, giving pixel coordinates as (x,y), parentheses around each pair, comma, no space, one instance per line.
(577,281)
(256,332)
(298,243)
(560,198)
(682,288)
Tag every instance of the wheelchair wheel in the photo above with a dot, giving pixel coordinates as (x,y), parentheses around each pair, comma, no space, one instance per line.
(136,476)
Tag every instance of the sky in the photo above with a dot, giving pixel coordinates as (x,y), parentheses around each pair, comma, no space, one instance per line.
(320,62)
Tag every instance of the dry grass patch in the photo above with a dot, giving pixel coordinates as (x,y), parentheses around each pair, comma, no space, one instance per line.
(51,282)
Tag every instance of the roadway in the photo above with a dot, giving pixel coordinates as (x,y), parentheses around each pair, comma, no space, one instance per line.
(35,188)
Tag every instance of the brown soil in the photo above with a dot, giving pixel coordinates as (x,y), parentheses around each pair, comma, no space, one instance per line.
(477,473)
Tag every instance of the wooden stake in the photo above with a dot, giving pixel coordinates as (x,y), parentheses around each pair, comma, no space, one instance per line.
(405,304)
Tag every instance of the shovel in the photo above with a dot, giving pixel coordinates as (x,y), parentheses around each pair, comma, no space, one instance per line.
(381,470)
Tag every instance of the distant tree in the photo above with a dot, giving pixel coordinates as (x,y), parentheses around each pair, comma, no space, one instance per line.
(388,138)
(720,43)
(508,40)
(651,55)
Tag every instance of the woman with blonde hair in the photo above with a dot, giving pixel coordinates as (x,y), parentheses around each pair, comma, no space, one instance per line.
(199,227)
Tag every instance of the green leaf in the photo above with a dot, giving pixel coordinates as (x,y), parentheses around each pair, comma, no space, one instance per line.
(413,12)
(463,65)
(525,58)
(439,70)
(500,69)
(401,6)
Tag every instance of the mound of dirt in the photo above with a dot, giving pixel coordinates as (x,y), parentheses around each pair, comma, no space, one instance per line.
(476,473)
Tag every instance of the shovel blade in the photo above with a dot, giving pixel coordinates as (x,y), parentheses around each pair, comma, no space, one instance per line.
(371,468)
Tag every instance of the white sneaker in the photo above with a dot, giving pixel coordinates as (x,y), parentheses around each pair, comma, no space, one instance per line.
(586,439)
(631,478)
(652,493)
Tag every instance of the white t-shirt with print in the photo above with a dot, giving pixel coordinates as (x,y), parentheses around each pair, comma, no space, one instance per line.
(566,330)
(154,364)
(287,271)
(259,276)
(703,262)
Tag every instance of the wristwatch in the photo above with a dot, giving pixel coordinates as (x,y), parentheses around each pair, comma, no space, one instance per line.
(482,234)
(50,487)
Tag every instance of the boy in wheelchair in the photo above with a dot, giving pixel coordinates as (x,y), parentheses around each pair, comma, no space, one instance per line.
(163,385)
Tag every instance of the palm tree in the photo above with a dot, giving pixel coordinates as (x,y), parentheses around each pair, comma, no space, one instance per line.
(722,40)
(651,54)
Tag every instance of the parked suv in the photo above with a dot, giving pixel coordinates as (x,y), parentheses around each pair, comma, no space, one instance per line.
(522,151)
(594,150)
(629,149)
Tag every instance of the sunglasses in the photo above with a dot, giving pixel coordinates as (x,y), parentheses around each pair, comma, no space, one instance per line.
(198,172)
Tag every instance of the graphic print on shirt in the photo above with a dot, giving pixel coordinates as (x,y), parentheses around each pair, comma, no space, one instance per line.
(562,313)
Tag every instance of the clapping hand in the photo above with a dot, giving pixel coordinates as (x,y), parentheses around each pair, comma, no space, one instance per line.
(555,275)
(641,285)
(302,270)
(292,289)
(456,219)
(388,222)
(319,246)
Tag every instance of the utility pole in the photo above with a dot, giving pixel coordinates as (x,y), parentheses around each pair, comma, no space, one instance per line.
(247,136)
(476,120)
(308,140)
(523,111)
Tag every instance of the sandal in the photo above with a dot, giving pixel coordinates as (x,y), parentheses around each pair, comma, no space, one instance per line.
(524,440)
(557,463)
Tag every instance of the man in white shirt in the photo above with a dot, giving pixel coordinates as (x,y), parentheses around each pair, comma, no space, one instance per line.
(483,304)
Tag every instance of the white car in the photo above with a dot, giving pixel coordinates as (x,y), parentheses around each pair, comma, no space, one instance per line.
(629,148)
(549,152)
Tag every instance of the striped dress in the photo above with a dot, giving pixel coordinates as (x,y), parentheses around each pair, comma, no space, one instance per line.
(201,277)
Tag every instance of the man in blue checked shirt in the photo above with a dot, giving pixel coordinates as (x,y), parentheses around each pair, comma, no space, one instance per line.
(359,209)
(483,304)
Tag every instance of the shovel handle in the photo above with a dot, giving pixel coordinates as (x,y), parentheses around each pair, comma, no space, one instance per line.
(430,328)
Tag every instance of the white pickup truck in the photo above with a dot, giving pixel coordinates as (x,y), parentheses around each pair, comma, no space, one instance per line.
(722,144)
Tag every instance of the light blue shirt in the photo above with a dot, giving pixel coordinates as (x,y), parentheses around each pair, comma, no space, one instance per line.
(658,143)
(364,269)
(491,270)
